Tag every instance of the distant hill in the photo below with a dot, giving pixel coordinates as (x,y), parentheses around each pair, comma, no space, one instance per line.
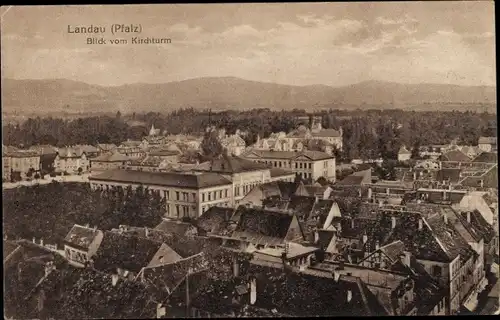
(61,95)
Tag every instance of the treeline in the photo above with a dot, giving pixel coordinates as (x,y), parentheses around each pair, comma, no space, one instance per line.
(368,134)
(33,211)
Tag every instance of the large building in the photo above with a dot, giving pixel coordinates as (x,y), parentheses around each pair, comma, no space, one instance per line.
(487,144)
(308,164)
(19,164)
(71,161)
(186,194)
(244,174)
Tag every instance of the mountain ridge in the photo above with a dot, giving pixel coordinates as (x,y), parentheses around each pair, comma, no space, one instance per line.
(220,93)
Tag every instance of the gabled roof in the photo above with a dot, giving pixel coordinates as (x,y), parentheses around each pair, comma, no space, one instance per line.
(350,181)
(452,243)
(230,165)
(301,205)
(174,227)
(454,155)
(125,251)
(173,179)
(289,155)
(393,250)
(81,237)
(168,276)
(87,148)
(322,207)
(275,203)
(264,224)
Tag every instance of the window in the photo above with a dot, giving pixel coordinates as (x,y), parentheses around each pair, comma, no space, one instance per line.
(203,197)
(209,196)
(177,194)
(226,193)
(177,210)
(220,195)
(436,271)
(310,165)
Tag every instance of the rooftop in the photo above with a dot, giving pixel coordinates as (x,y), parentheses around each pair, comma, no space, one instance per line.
(81,236)
(170,179)
(289,155)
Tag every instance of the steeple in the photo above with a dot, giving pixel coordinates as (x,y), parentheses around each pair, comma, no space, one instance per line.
(152,131)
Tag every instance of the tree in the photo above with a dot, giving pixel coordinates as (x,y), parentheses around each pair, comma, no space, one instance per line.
(415,151)
(37,176)
(211,146)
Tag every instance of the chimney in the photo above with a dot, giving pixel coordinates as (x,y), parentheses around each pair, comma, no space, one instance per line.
(41,242)
(468,216)
(352,223)
(369,193)
(34,240)
(236,268)
(146,231)
(95,228)
(316,236)
(377,245)
(349,295)
(445,218)
(380,203)
(114,279)
(365,238)
(420,224)
(393,222)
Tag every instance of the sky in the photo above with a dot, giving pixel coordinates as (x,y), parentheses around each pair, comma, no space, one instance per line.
(333,44)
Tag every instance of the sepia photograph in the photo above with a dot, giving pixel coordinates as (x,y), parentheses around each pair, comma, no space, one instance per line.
(321,159)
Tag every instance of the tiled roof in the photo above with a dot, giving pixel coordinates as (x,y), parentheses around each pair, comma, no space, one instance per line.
(125,251)
(322,208)
(231,165)
(169,276)
(487,140)
(175,227)
(130,143)
(304,293)
(488,157)
(287,189)
(163,153)
(44,149)
(455,155)
(480,226)
(452,242)
(289,155)
(81,236)
(215,220)
(125,300)
(257,223)
(324,238)
(277,172)
(393,250)
(449,174)
(180,180)
(301,206)
(111,157)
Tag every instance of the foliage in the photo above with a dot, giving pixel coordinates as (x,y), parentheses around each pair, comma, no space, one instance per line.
(210,145)
(367,134)
(49,211)
(37,176)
